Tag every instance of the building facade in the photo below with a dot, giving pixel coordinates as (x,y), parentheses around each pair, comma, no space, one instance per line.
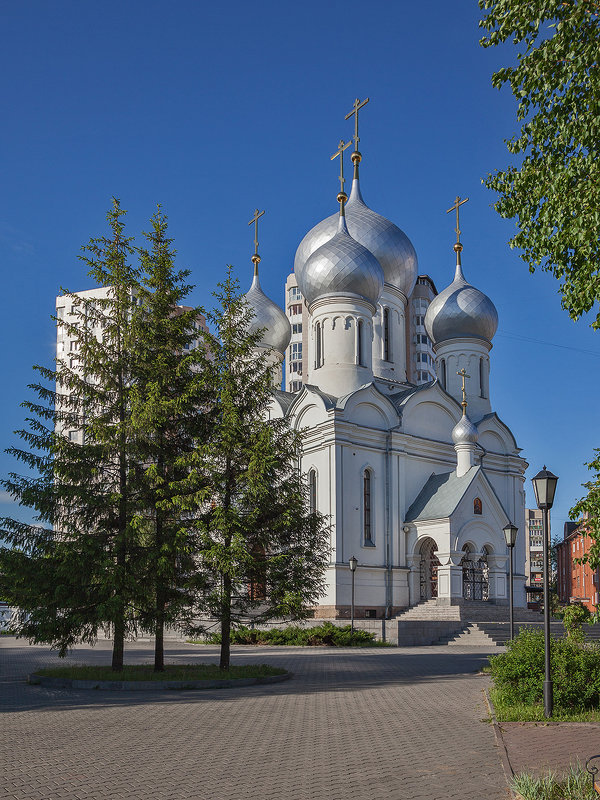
(577,582)
(417,477)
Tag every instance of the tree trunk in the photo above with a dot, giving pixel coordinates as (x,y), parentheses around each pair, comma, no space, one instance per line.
(119,641)
(226,624)
(159,638)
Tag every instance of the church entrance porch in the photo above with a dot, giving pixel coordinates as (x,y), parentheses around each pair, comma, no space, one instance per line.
(429,570)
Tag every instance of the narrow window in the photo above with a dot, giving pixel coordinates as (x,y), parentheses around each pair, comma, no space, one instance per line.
(367,519)
(359,346)
(477,506)
(318,345)
(481,378)
(312,491)
(386,334)
(443,376)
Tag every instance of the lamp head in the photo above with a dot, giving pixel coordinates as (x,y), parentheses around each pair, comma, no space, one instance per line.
(353,563)
(544,486)
(510,534)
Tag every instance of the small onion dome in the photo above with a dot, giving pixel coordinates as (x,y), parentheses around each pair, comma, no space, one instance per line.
(392,248)
(341,266)
(268,315)
(464,431)
(461,311)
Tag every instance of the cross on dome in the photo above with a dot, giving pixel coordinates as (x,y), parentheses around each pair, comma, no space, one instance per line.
(356,156)
(256,258)
(342,196)
(463,375)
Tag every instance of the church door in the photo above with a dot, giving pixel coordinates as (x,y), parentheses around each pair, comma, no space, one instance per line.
(429,570)
(476,584)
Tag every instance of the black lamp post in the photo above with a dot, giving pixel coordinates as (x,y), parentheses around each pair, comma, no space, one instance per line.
(544,486)
(353,563)
(510,534)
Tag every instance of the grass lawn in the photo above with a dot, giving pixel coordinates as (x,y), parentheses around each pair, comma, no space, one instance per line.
(173,672)
(506,712)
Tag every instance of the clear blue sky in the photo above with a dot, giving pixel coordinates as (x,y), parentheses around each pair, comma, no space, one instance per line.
(214,109)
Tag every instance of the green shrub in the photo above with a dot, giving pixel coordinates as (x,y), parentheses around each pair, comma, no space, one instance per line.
(573,618)
(519,673)
(326,634)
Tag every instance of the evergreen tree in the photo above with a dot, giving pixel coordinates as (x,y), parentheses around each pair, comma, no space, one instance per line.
(73,570)
(259,551)
(168,414)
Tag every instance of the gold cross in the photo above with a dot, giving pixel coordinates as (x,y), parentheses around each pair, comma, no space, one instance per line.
(257,215)
(340,152)
(355,109)
(457,203)
(463,375)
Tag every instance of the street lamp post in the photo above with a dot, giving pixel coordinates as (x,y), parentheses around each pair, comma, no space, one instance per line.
(544,486)
(353,563)
(510,534)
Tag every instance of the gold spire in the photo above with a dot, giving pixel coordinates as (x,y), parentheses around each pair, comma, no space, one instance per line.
(458,246)
(342,196)
(463,375)
(256,258)
(356,156)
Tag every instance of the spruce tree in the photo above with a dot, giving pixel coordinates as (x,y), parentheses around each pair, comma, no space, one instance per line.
(168,414)
(260,553)
(73,570)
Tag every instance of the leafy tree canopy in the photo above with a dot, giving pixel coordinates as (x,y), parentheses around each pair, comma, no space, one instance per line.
(554,194)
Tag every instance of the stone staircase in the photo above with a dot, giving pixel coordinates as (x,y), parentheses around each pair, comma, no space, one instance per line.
(462,623)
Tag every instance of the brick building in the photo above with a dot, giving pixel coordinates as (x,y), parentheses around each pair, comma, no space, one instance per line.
(576,582)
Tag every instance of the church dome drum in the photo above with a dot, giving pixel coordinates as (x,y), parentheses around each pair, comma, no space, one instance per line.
(341,266)
(461,311)
(392,248)
(269,316)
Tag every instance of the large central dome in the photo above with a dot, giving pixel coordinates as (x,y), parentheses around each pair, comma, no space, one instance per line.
(391,246)
(341,266)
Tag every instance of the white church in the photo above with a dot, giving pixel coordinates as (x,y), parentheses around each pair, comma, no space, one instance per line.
(417,478)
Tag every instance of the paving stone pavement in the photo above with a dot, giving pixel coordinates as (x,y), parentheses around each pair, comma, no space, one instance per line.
(537,747)
(352,724)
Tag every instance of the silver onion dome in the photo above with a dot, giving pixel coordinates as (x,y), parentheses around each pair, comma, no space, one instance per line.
(391,246)
(269,316)
(461,311)
(464,431)
(341,266)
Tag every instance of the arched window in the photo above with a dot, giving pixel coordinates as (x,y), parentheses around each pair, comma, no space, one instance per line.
(443,371)
(367,510)
(359,343)
(477,506)
(312,491)
(318,344)
(386,335)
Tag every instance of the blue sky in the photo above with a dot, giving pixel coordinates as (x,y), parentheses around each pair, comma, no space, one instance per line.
(215,109)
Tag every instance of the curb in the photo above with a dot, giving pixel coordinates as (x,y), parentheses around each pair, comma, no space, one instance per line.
(144,686)
(502,751)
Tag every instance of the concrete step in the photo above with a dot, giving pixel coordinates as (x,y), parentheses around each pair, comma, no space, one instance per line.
(471,635)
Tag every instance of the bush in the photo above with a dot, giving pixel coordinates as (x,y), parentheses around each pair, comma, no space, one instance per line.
(519,673)
(573,618)
(326,634)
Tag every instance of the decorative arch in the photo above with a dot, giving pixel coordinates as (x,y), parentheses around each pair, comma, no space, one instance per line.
(428,568)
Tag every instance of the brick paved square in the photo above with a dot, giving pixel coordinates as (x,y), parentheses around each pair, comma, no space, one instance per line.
(353,724)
